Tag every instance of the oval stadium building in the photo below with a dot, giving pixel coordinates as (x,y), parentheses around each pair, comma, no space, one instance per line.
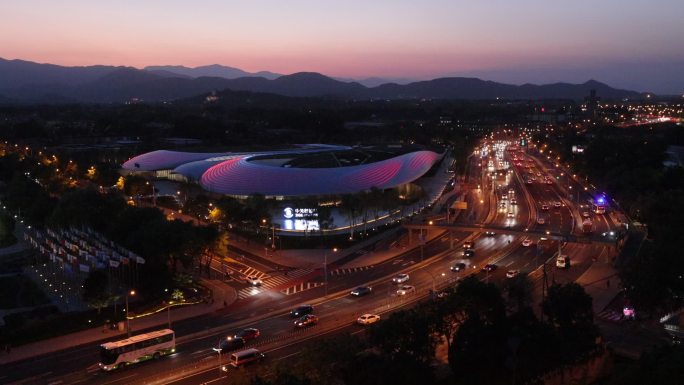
(310,170)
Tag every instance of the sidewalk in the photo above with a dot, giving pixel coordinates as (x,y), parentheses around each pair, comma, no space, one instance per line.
(342,258)
(221,293)
(601,282)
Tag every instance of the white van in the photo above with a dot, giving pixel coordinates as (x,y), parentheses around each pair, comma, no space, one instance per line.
(245,357)
(563,262)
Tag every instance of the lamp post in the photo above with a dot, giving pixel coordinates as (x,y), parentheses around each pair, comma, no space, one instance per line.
(219,355)
(168,310)
(325,268)
(128,319)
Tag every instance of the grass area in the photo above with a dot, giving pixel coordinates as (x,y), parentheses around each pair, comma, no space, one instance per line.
(7,237)
(13,263)
(20,291)
(47,322)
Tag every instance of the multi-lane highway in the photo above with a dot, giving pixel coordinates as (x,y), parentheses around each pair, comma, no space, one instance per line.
(507,199)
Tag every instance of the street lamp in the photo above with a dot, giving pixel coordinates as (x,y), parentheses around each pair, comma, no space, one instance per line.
(128,319)
(325,268)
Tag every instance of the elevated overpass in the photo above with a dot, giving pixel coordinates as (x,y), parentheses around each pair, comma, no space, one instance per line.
(552,235)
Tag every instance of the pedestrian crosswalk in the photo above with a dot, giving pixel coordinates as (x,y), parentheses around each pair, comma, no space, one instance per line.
(349,270)
(271,282)
(301,287)
(250,271)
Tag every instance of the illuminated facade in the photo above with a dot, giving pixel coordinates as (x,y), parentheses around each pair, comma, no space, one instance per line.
(312,170)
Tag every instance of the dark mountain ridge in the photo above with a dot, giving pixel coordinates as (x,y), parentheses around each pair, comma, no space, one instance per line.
(29,82)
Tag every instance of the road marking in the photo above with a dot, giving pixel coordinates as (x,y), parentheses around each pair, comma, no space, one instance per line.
(117,380)
(214,380)
(287,356)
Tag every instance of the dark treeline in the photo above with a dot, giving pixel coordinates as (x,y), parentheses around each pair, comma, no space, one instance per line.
(165,245)
(243,119)
(627,163)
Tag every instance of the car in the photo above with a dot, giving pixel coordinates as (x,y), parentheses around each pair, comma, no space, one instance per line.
(510,214)
(254,280)
(229,343)
(361,290)
(401,278)
(504,197)
(489,267)
(306,320)
(557,205)
(538,174)
(586,214)
(406,289)
(460,266)
(469,245)
(527,242)
(368,319)
(549,181)
(514,201)
(529,181)
(545,207)
(541,221)
(511,192)
(302,310)
(248,334)
(490,233)
(468,253)
(512,273)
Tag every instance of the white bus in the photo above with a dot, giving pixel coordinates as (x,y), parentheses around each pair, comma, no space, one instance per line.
(137,348)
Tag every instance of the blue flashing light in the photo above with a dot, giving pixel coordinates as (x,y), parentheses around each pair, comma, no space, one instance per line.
(601,200)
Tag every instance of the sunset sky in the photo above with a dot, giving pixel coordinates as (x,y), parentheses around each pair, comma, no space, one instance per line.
(637,43)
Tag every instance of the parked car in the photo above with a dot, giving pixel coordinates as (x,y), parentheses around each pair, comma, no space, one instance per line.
(401,278)
(361,290)
(406,289)
(460,266)
(302,310)
(368,319)
(307,320)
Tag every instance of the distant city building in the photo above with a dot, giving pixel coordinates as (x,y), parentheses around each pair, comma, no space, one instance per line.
(592,104)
